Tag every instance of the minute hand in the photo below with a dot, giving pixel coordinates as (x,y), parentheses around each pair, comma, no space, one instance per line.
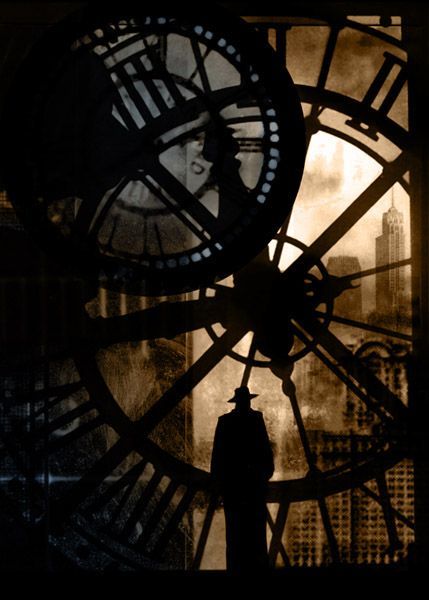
(391,173)
(181,195)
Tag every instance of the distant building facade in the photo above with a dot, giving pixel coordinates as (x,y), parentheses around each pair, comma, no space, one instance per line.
(390,248)
(349,303)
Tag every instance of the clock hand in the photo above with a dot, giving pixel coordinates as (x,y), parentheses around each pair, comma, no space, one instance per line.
(376,396)
(166,320)
(180,195)
(390,174)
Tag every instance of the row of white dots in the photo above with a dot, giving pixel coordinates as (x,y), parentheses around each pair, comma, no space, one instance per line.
(183,261)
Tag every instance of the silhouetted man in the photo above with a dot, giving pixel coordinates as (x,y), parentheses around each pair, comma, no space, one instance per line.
(242,464)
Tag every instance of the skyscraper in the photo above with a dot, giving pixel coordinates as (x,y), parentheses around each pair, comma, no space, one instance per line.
(389,248)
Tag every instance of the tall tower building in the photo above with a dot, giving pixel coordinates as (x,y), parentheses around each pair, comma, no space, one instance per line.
(389,248)
(349,303)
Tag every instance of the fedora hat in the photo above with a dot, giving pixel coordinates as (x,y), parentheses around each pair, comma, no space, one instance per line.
(242,393)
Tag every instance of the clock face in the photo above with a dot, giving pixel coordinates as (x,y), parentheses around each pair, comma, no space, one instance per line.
(158,153)
(113,427)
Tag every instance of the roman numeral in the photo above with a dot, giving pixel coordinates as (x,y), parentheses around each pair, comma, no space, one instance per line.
(58,422)
(124,484)
(142,509)
(277,528)
(379,86)
(145,87)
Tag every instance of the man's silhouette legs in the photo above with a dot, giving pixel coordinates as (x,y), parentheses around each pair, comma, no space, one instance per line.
(246,545)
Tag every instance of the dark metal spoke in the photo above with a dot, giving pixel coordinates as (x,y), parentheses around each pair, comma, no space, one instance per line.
(128,480)
(155,518)
(280,244)
(142,503)
(366,326)
(174,208)
(391,174)
(343,376)
(205,532)
(389,517)
(398,515)
(250,357)
(364,377)
(173,522)
(200,68)
(379,269)
(166,320)
(181,195)
(277,528)
(186,383)
(332,540)
(87,220)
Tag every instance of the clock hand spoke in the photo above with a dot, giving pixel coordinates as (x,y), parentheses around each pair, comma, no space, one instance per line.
(205,531)
(391,173)
(396,513)
(386,505)
(186,383)
(166,320)
(125,483)
(176,209)
(280,244)
(375,270)
(377,396)
(173,522)
(277,529)
(327,525)
(146,496)
(162,505)
(179,194)
(200,67)
(283,370)
(366,326)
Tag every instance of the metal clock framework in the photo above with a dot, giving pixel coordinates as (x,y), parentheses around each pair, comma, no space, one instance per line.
(133,506)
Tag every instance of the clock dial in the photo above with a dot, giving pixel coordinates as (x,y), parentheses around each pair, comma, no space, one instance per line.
(159,156)
(137,400)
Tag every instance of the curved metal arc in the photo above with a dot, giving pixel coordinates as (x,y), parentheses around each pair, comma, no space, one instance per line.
(350,216)
(353,108)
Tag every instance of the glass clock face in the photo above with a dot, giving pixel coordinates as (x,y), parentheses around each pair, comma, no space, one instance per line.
(158,152)
(111,431)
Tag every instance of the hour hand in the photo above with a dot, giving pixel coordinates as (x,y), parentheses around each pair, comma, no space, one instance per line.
(166,320)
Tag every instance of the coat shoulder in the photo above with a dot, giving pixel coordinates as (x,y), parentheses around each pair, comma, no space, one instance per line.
(224,417)
(257,414)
